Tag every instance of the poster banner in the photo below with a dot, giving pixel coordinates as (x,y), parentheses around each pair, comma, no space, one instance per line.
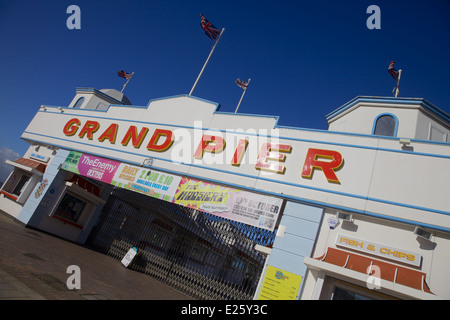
(238,205)
(143,180)
(147,181)
(242,206)
(91,166)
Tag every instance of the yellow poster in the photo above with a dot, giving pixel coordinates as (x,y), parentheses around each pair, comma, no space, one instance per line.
(254,209)
(279,285)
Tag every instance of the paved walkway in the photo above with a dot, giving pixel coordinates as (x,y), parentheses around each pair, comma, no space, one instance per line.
(33,266)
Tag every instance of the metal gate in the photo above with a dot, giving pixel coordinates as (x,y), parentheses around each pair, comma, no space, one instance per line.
(201,255)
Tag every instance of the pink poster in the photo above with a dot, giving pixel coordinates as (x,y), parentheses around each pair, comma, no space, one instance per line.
(91,166)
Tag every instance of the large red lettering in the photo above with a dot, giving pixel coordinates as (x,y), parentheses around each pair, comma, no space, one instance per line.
(110,134)
(211,144)
(153,144)
(136,140)
(89,128)
(333,162)
(266,154)
(239,152)
(71,127)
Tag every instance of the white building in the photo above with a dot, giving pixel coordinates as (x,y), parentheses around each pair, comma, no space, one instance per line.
(361,208)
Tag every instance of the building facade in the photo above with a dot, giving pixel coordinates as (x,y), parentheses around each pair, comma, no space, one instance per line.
(260,210)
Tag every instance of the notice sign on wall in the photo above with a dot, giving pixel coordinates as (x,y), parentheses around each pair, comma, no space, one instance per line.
(238,205)
(380,250)
(279,285)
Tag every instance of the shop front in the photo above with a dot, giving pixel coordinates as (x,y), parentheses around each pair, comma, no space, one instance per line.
(27,172)
(361,258)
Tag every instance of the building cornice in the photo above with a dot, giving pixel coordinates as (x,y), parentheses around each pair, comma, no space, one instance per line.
(419,103)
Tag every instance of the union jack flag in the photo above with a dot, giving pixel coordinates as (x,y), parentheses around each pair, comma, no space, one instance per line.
(242,83)
(392,71)
(210,30)
(123,74)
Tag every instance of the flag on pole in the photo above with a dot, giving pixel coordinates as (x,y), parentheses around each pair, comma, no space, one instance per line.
(214,34)
(392,71)
(396,75)
(210,30)
(242,84)
(124,75)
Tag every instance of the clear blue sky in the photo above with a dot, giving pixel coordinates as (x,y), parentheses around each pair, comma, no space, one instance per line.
(305,58)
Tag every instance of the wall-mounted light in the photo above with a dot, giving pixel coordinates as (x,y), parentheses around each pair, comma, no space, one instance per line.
(147,163)
(422,233)
(345,216)
(43,108)
(405,142)
(60,109)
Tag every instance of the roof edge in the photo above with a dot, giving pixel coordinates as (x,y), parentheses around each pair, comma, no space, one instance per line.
(412,101)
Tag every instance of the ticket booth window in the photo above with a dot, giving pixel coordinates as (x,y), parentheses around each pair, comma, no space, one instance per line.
(19,187)
(16,183)
(70,208)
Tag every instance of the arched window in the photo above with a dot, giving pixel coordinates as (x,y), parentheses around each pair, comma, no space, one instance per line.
(78,103)
(385,125)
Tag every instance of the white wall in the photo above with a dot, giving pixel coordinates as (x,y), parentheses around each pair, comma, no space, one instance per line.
(414,118)
(378,175)
(361,120)
(425,126)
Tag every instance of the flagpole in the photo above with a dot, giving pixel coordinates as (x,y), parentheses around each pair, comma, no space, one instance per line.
(242,96)
(206,62)
(123,88)
(396,89)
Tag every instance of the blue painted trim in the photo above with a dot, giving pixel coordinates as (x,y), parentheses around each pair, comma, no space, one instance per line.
(277,126)
(362,135)
(363,212)
(270,136)
(381,115)
(276,118)
(119,104)
(186,96)
(411,101)
(288,197)
(256,178)
(432,108)
(95,91)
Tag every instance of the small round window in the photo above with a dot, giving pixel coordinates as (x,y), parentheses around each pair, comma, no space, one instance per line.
(78,103)
(385,125)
